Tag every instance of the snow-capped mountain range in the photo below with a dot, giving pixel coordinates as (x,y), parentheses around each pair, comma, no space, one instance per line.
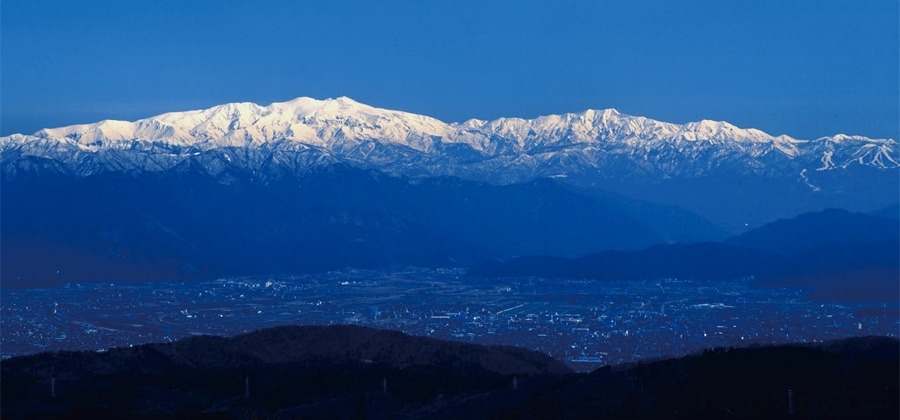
(304,132)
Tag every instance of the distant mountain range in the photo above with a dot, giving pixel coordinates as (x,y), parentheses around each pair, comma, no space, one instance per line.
(503,150)
(720,171)
(355,372)
(837,254)
(309,185)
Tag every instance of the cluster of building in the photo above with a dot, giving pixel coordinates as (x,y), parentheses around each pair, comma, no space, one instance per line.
(586,323)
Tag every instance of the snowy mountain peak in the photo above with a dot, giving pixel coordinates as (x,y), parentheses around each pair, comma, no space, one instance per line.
(601,141)
(608,113)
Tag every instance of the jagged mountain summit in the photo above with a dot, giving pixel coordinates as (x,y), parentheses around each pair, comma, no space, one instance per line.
(736,177)
(604,142)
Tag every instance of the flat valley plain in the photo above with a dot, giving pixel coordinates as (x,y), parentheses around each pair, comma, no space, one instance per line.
(585,323)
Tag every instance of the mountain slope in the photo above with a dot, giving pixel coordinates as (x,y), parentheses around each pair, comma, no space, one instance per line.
(712,168)
(838,255)
(186,224)
(802,381)
(505,149)
(892,212)
(828,228)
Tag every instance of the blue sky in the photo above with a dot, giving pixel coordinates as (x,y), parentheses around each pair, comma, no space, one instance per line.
(803,68)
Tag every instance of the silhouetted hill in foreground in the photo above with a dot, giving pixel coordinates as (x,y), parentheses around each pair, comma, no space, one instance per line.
(842,379)
(389,348)
(355,372)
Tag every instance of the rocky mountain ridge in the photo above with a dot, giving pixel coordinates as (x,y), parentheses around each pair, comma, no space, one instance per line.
(305,132)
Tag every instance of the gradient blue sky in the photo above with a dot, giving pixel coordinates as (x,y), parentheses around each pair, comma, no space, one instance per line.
(803,68)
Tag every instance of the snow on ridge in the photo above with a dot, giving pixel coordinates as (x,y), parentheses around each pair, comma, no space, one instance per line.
(221,119)
(342,125)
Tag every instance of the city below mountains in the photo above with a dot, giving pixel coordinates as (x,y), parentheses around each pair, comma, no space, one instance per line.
(309,185)
(532,215)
